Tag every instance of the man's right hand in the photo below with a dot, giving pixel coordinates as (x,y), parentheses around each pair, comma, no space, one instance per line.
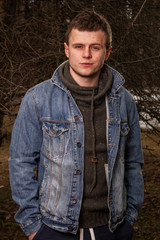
(31,236)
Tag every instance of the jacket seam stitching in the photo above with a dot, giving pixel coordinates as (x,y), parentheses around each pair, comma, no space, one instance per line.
(36,105)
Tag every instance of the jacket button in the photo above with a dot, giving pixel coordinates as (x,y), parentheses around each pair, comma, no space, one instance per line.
(70,228)
(79,144)
(76,118)
(74,200)
(78,172)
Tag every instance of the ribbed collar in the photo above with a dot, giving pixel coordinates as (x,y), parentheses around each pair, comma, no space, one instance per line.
(86,93)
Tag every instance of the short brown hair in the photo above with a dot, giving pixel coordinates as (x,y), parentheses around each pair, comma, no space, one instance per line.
(90,21)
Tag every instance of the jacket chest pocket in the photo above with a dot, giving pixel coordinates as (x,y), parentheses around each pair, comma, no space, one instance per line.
(55,139)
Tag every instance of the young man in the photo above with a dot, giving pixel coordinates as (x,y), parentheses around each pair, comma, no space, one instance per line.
(80,129)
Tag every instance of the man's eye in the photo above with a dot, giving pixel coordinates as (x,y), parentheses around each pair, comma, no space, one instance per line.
(78,46)
(95,48)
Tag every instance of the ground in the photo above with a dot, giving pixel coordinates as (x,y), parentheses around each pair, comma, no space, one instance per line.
(146,228)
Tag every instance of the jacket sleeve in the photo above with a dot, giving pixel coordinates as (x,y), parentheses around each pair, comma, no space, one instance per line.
(133,166)
(24,157)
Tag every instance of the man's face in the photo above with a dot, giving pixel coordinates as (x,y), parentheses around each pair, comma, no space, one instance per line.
(86,52)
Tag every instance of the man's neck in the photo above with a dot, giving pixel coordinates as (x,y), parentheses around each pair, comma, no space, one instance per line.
(84,81)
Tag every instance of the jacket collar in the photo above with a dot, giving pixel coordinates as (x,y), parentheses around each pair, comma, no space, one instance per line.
(56,78)
(118,80)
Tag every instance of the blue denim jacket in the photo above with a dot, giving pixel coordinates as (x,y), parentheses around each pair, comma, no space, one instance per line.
(45,135)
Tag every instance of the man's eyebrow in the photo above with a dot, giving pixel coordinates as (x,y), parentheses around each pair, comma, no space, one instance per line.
(77,44)
(99,44)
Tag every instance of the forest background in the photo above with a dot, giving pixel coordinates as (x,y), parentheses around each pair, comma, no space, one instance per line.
(31,47)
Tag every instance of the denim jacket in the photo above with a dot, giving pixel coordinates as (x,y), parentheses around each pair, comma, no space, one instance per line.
(47,162)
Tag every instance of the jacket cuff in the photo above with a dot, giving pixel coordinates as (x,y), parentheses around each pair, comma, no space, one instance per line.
(32,227)
(130,219)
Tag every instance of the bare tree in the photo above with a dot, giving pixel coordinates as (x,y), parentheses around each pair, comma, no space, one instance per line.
(32,35)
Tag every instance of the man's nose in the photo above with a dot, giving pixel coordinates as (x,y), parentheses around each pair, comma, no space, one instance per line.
(87,52)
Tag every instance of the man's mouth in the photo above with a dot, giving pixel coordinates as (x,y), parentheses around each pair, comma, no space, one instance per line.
(86,64)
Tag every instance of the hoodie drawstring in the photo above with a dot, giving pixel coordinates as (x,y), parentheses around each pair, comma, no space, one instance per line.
(91,234)
(94,159)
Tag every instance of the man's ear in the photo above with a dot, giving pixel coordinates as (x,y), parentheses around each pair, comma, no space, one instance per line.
(108,53)
(66,50)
